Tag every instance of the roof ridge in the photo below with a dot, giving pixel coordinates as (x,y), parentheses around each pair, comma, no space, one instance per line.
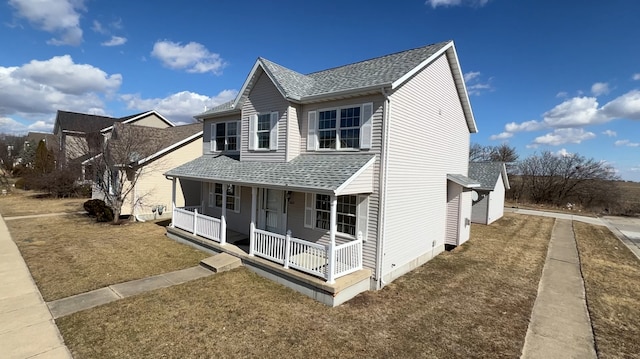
(379,57)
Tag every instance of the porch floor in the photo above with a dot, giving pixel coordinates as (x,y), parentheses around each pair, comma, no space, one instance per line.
(238,245)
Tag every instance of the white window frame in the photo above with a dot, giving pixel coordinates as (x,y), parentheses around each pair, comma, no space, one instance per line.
(254,144)
(365,128)
(233,199)
(214,136)
(361,216)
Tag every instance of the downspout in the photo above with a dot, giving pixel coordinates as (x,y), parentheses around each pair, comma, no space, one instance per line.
(384,155)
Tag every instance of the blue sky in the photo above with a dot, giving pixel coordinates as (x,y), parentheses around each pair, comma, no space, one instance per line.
(556,75)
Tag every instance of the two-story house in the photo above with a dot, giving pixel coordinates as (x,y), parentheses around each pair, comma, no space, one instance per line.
(354,175)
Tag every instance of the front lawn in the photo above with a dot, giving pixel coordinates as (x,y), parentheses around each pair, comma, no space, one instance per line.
(472,302)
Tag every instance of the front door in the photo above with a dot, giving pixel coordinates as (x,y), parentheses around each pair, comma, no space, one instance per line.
(274,209)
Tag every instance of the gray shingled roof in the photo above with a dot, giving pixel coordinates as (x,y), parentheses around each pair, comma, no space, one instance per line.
(320,173)
(487,174)
(86,123)
(379,71)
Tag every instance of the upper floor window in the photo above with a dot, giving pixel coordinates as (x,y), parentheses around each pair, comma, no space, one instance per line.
(340,128)
(225,136)
(263,131)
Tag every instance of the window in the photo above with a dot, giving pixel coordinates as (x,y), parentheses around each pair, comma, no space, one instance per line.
(340,128)
(233,196)
(225,136)
(263,131)
(351,213)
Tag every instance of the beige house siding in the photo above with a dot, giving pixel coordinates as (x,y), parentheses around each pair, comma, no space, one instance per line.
(264,98)
(154,189)
(428,138)
(151,120)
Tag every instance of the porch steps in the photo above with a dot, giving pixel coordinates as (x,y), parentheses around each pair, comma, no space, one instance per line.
(221,262)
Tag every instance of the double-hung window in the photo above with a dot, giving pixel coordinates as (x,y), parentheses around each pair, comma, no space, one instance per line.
(263,131)
(233,196)
(351,214)
(343,128)
(225,136)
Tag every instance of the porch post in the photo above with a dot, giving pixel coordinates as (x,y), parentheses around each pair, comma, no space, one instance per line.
(333,226)
(173,201)
(252,227)
(223,216)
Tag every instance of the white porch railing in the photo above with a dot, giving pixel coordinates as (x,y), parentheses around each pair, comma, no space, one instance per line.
(190,220)
(309,257)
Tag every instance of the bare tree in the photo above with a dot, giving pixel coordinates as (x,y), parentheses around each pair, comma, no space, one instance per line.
(549,178)
(119,165)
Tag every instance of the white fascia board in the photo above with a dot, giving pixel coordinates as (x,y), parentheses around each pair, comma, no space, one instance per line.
(346,183)
(207,116)
(247,81)
(168,149)
(464,95)
(505,177)
(91,159)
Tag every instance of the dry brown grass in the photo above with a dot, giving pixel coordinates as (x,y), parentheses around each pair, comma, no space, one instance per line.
(472,302)
(612,281)
(73,254)
(23,203)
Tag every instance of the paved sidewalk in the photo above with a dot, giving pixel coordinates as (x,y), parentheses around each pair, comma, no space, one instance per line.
(27,329)
(572,217)
(94,298)
(560,326)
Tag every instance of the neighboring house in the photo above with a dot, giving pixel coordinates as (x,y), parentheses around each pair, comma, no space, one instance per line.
(488,199)
(356,174)
(81,135)
(151,151)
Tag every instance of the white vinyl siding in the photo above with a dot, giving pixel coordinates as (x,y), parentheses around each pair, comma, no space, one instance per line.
(496,202)
(343,128)
(452,234)
(428,138)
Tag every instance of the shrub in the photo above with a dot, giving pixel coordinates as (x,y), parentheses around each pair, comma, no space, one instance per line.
(99,209)
(21,183)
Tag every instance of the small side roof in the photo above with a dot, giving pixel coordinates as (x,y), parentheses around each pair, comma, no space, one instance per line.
(81,122)
(462,180)
(487,173)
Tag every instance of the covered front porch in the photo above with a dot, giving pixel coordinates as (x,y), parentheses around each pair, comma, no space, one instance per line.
(282,197)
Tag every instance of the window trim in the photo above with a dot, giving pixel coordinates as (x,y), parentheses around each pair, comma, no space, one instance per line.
(234,198)
(365,128)
(213,138)
(273,131)
(361,216)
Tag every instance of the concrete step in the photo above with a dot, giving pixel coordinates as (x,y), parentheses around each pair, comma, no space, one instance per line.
(221,262)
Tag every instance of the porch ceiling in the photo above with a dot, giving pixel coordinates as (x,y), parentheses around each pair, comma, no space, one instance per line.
(317,173)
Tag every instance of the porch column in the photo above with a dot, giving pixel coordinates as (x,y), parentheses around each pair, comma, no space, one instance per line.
(223,215)
(252,227)
(333,226)
(173,200)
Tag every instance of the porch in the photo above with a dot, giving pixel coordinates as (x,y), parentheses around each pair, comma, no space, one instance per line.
(328,262)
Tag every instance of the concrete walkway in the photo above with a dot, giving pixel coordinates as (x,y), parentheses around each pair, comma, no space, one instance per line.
(571,217)
(560,326)
(27,329)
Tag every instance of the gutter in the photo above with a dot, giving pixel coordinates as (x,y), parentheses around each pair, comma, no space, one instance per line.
(384,155)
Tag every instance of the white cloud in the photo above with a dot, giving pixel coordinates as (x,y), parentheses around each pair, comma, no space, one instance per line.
(563,153)
(610,133)
(192,57)
(625,106)
(60,17)
(474,85)
(577,111)
(600,88)
(562,94)
(97,27)
(626,143)
(11,126)
(445,3)
(636,76)
(181,106)
(501,136)
(563,135)
(62,74)
(115,41)
(42,87)
(471,75)
(526,126)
